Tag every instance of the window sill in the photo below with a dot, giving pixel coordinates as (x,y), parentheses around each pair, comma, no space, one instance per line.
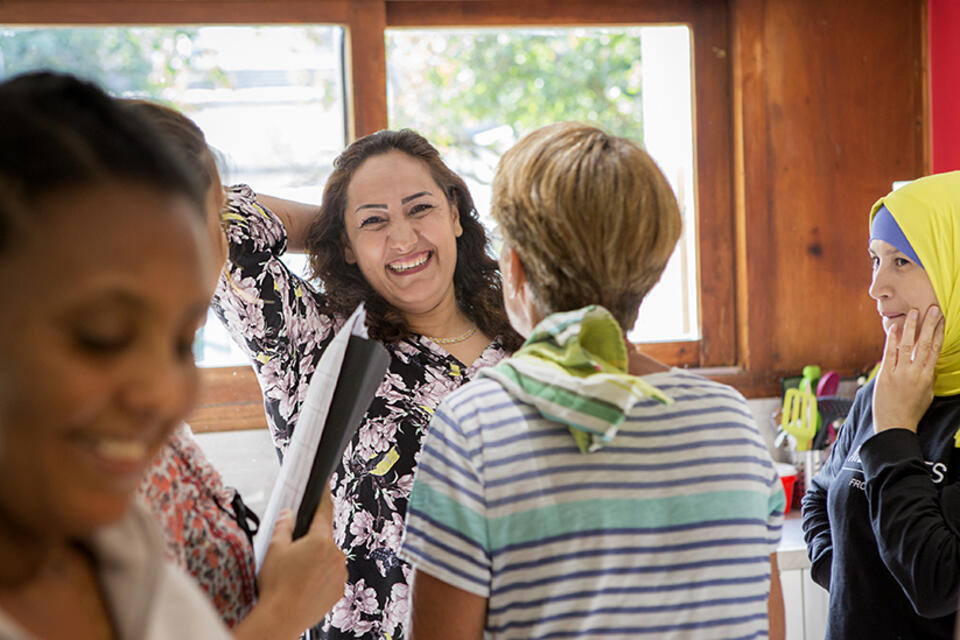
(230,397)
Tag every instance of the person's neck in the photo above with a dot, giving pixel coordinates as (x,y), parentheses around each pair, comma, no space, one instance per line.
(641,364)
(23,554)
(443,321)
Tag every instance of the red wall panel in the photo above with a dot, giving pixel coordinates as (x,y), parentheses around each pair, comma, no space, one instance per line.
(944,36)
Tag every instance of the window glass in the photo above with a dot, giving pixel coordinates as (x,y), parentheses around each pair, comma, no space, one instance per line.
(270,100)
(474,93)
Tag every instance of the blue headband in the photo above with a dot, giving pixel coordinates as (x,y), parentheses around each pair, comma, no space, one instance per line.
(885,228)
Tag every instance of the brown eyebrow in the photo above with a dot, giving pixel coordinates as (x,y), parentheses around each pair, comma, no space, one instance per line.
(402,201)
(893,250)
(415,196)
(370,206)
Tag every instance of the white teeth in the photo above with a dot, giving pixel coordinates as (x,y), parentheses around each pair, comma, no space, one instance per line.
(400,265)
(122,450)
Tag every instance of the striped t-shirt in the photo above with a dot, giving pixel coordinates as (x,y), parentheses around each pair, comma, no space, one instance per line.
(665,532)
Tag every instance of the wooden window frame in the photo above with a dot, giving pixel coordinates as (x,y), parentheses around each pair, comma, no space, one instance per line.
(712,133)
(230,396)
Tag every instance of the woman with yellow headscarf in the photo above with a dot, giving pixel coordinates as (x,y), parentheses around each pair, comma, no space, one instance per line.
(882,520)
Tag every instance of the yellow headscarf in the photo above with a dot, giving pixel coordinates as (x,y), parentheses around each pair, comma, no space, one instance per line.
(928,212)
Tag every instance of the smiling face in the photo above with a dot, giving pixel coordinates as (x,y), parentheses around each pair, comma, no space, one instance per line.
(103,295)
(898,284)
(401,233)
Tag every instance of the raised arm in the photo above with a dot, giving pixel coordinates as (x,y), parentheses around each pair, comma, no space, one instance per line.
(278,319)
(295,216)
(917,527)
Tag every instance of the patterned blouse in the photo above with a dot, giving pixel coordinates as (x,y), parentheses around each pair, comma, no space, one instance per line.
(280,321)
(200,525)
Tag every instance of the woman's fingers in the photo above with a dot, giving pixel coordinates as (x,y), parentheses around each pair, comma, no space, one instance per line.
(323,517)
(282,531)
(938,334)
(904,387)
(908,336)
(928,346)
(890,350)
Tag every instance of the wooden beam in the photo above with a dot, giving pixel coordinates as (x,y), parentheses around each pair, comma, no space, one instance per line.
(366,63)
(713,159)
(93,12)
(749,128)
(230,399)
(678,354)
(713,122)
(476,13)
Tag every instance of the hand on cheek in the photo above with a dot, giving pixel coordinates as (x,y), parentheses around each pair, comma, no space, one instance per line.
(904,387)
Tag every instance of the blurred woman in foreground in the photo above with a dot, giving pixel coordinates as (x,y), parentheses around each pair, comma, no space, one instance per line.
(106,274)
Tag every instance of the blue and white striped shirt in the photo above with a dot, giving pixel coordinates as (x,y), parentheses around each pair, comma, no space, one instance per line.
(665,532)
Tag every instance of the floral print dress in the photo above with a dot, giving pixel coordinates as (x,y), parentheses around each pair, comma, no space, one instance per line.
(280,322)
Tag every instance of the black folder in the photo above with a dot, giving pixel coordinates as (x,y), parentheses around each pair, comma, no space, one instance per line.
(365,363)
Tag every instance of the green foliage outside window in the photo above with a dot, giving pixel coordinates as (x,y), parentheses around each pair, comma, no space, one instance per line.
(452,85)
(155,63)
(137,61)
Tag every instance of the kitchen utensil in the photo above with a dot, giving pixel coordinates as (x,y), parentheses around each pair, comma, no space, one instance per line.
(833,411)
(781,439)
(791,382)
(800,416)
(828,385)
(808,383)
(808,464)
(810,377)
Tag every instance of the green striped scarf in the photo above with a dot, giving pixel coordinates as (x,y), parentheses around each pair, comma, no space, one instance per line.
(573,369)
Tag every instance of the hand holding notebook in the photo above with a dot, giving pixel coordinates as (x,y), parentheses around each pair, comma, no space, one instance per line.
(343,385)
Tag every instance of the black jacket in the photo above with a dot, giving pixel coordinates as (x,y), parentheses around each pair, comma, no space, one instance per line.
(882,525)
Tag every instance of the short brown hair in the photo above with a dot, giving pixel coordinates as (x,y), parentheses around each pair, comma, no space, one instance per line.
(590,215)
(476,277)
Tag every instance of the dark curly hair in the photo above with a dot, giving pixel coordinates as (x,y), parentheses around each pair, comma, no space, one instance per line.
(476,278)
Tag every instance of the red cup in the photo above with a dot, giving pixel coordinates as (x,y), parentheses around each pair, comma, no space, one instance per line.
(788,476)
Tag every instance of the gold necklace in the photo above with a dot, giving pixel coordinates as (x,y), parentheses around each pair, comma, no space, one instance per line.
(463,336)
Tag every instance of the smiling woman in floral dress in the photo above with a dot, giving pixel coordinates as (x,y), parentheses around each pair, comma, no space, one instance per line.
(398,231)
